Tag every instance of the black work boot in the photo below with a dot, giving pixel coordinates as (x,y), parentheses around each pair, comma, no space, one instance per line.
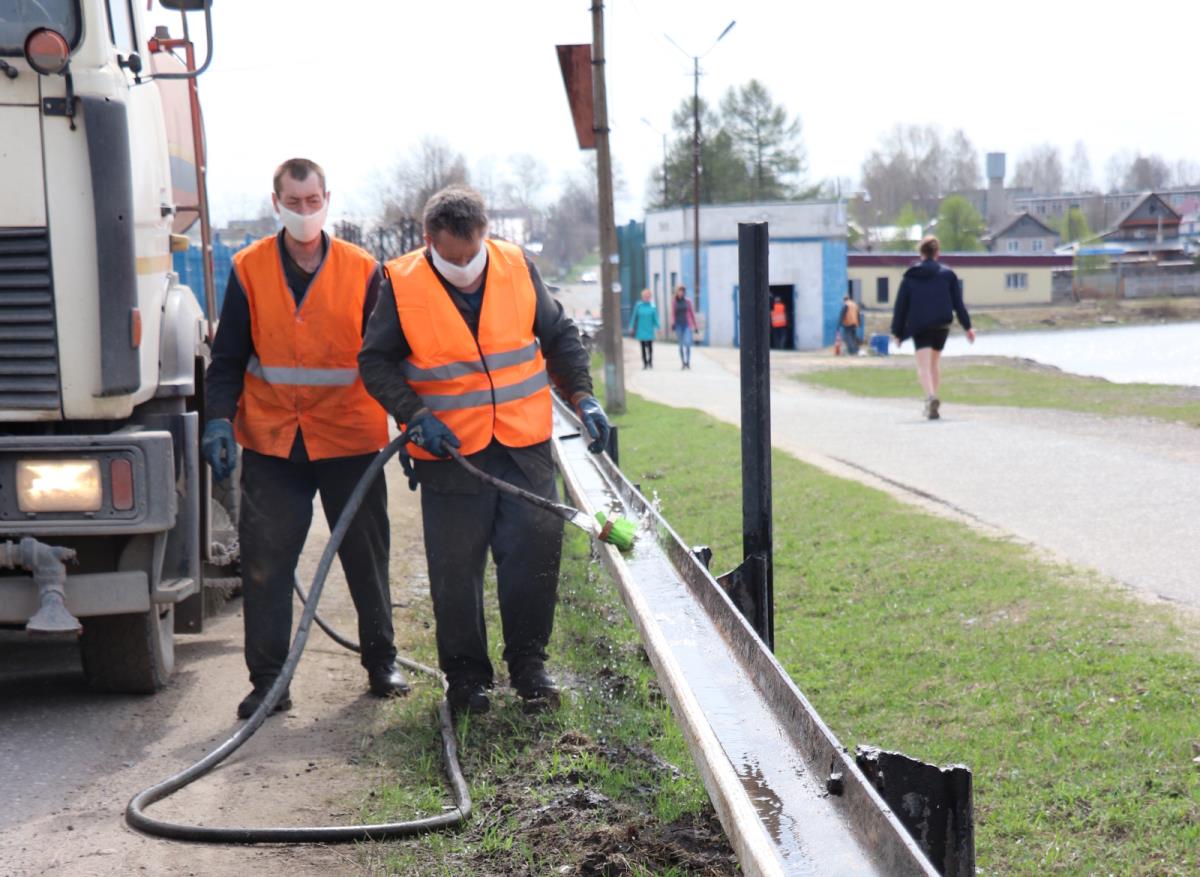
(252,701)
(386,680)
(533,683)
(468,697)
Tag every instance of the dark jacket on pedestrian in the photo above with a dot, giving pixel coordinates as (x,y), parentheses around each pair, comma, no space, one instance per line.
(930,296)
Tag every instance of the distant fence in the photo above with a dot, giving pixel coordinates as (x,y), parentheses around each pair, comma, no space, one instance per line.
(1133,281)
(190,268)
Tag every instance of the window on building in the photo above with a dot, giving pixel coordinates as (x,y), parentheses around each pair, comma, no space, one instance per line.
(881,290)
(1013,246)
(1016,280)
(657,277)
(675,282)
(855,289)
(1038,245)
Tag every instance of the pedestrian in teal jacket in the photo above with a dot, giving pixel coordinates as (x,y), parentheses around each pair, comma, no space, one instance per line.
(643,325)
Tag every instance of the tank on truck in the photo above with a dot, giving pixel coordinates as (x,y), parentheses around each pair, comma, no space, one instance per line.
(163,42)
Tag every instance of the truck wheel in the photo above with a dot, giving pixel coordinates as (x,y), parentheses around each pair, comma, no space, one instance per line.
(129,654)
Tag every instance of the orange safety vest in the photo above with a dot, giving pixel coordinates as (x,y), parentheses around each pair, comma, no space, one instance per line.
(851,318)
(491,387)
(778,315)
(304,371)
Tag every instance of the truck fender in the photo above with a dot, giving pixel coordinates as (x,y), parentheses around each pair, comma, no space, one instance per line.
(181,341)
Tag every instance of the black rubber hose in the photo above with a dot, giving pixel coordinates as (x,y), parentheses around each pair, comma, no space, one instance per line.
(135,812)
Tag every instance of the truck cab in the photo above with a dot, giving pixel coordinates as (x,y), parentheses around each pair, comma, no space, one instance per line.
(104,505)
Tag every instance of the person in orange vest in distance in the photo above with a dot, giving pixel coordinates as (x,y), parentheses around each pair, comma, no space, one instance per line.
(779,323)
(462,349)
(848,321)
(284,384)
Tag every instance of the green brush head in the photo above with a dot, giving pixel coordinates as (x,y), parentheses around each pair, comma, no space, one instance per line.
(617,531)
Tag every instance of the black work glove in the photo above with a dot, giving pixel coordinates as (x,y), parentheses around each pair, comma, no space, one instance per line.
(427,432)
(595,421)
(219,448)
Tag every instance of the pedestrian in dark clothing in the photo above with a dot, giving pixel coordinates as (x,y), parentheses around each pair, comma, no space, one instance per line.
(929,298)
(684,324)
(462,349)
(284,384)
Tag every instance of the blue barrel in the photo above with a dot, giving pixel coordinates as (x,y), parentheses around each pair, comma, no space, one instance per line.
(879,344)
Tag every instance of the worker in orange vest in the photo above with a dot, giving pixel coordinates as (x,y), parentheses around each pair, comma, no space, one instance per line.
(779,324)
(848,323)
(462,350)
(284,384)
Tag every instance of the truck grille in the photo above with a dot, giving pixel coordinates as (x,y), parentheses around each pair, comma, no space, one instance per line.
(28,350)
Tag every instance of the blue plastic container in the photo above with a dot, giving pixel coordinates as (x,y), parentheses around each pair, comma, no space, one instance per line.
(879,344)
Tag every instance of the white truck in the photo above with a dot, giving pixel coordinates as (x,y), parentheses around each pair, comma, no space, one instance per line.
(105,510)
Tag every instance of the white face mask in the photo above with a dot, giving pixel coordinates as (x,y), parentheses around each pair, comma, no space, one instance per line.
(304,227)
(462,276)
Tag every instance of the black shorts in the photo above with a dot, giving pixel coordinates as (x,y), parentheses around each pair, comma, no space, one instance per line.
(935,338)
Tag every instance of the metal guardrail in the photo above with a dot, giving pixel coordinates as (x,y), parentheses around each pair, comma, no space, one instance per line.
(789,796)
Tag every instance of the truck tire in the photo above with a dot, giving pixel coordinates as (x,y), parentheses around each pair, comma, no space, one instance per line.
(129,654)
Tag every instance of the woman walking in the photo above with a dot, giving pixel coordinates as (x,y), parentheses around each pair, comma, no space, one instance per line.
(929,298)
(684,325)
(643,325)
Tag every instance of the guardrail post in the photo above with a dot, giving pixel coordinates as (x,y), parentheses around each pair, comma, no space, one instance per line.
(755,340)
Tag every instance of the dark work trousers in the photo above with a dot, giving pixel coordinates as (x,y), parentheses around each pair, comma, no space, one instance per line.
(647,354)
(526,544)
(277,506)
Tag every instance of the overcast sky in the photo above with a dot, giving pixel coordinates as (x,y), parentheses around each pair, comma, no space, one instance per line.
(354,84)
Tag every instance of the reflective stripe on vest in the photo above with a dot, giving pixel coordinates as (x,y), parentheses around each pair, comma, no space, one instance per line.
(302,377)
(303,374)
(492,385)
(491,362)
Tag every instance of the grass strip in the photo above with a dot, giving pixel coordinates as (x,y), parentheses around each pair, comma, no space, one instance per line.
(603,785)
(1021,387)
(1076,706)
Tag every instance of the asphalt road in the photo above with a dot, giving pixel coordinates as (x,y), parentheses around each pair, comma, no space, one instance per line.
(1117,495)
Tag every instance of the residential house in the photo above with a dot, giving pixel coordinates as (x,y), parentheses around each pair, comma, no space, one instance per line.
(1022,234)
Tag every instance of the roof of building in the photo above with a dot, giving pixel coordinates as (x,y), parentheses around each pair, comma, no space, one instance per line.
(962,260)
(1137,205)
(1013,221)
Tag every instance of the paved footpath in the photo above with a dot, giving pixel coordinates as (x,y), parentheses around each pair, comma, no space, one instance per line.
(1118,495)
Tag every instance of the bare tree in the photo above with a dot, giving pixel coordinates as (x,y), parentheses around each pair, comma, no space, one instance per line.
(525,182)
(571,221)
(1147,172)
(1079,171)
(431,166)
(1115,169)
(911,165)
(964,171)
(1040,169)
(1185,172)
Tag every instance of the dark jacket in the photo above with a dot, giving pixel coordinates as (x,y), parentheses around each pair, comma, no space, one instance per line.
(930,296)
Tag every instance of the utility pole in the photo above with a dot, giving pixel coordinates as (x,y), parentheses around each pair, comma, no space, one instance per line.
(610,302)
(696,157)
(696,179)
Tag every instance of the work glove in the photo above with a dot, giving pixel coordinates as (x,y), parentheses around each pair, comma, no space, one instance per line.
(219,448)
(427,432)
(595,422)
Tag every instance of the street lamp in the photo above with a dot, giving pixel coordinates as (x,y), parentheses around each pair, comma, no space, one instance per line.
(696,154)
(665,200)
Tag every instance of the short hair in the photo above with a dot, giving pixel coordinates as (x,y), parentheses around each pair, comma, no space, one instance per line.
(457,209)
(298,169)
(929,247)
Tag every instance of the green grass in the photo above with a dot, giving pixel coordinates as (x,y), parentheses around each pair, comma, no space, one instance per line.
(613,736)
(975,384)
(1075,706)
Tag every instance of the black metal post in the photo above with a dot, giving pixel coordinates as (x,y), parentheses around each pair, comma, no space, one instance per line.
(755,337)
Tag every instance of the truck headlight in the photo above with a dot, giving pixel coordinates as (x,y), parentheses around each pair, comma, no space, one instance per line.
(59,486)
